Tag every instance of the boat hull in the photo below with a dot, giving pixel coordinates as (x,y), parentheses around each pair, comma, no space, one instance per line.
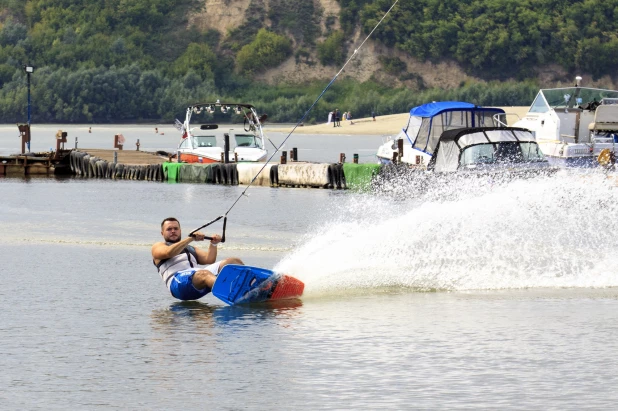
(205,159)
(193,158)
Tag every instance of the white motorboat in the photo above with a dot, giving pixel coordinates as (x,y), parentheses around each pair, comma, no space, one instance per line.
(573,125)
(416,142)
(500,154)
(488,149)
(207,143)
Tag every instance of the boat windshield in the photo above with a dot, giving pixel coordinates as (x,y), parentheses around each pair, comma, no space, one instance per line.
(569,97)
(531,151)
(205,141)
(504,152)
(246,140)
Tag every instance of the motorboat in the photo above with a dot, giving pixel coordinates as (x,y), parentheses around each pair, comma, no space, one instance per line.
(488,149)
(573,125)
(418,139)
(211,143)
(494,154)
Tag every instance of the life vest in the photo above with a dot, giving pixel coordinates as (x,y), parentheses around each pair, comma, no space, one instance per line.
(186,259)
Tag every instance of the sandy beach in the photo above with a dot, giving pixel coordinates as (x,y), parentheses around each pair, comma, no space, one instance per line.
(383,126)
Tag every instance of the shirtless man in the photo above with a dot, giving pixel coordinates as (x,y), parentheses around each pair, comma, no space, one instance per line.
(177,262)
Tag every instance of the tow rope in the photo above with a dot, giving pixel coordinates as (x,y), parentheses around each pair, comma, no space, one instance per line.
(224,216)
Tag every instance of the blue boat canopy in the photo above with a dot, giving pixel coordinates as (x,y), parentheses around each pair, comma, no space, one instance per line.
(432,109)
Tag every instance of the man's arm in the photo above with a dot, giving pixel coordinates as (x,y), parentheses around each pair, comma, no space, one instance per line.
(208,256)
(162,251)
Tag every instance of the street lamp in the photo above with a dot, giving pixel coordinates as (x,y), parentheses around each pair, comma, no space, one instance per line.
(29,70)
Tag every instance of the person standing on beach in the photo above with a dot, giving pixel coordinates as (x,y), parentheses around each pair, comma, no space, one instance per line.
(335,117)
(373,114)
(330,117)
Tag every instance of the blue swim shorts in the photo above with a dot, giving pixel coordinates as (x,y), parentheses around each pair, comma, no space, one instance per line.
(181,284)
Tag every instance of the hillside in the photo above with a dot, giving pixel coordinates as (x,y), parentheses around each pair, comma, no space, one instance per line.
(144,60)
(444,72)
(226,15)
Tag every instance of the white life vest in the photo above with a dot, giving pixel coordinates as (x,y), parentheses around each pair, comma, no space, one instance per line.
(186,259)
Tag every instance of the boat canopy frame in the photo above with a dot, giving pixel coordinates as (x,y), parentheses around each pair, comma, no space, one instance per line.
(453,144)
(436,118)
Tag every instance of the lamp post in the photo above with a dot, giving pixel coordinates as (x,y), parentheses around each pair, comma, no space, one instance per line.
(29,70)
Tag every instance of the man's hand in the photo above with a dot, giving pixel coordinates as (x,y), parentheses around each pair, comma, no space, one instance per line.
(216,239)
(197,236)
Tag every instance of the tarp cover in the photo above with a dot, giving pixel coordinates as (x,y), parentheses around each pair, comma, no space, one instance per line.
(358,176)
(448,115)
(171,171)
(431,109)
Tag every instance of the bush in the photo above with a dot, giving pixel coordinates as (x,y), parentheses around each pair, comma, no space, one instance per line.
(392,65)
(331,51)
(266,51)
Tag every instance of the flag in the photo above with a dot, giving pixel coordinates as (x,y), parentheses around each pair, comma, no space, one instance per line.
(180,127)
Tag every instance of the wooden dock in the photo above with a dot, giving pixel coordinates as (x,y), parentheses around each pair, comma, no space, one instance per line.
(22,165)
(137,158)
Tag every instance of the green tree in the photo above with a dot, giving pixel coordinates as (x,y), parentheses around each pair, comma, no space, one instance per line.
(331,51)
(197,57)
(266,51)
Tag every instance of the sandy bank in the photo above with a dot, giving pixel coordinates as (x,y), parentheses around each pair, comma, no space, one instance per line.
(384,125)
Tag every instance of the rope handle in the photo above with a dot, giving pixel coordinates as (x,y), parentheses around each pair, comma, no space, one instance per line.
(209,223)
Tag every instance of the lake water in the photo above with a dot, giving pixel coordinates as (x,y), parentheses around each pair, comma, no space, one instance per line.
(489,295)
(322,148)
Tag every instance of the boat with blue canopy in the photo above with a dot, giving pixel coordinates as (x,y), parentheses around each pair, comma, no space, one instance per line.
(418,139)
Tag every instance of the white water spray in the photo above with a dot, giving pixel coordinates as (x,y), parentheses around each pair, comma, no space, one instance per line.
(557,231)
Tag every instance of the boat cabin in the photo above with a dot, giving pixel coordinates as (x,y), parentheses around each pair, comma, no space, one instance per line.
(486,148)
(566,114)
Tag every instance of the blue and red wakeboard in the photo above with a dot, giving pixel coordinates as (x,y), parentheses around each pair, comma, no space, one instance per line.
(242,284)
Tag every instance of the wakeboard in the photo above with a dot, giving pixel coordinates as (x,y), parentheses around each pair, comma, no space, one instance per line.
(243,284)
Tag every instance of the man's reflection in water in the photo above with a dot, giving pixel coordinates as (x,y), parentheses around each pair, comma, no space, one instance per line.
(191,317)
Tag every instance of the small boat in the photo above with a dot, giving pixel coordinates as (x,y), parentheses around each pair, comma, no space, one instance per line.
(416,142)
(573,125)
(498,153)
(210,143)
(488,149)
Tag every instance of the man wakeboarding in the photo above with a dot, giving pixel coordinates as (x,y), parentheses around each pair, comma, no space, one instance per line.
(178,262)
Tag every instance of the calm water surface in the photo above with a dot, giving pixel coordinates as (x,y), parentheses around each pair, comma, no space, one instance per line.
(487,296)
(323,148)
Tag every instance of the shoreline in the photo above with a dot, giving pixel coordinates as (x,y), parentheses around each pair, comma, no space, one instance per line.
(383,125)
(386,125)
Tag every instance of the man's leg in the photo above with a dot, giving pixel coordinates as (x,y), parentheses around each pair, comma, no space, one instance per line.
(204,278)
(232,260)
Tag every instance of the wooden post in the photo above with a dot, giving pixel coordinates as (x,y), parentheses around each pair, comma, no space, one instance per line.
(342,158)
(24,131)
(226,147)
(355,159)
(61,138)
(284,157)
(400,149)
(118,141)
(294,154)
